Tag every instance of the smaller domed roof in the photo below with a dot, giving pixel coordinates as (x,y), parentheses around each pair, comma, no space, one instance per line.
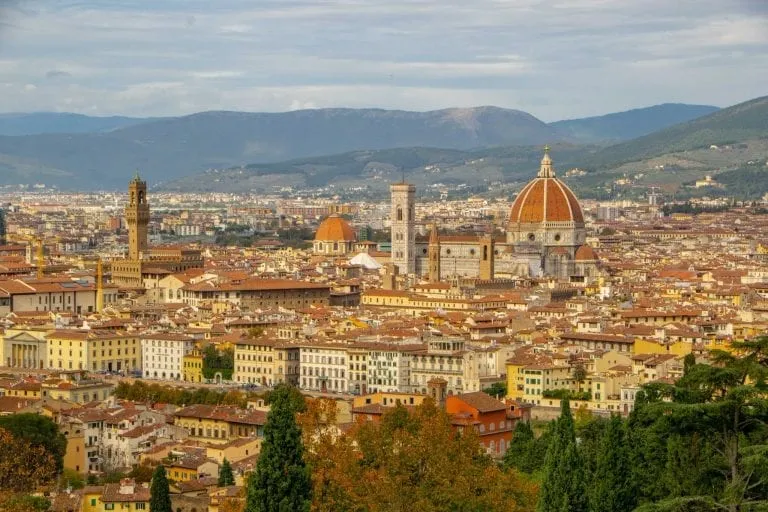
(585,253)
(335,229)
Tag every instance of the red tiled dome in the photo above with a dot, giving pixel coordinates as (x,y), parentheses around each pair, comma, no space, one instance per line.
(546,199)
(335,229)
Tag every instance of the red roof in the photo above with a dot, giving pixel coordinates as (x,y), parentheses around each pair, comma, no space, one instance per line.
(546,200)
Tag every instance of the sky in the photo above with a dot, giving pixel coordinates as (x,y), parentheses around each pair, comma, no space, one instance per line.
(556,59)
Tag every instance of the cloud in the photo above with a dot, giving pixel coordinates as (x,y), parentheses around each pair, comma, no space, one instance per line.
(558,59)
(56,73)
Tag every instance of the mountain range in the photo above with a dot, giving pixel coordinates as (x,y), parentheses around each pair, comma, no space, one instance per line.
(666,158)
(104,152)
(630,124)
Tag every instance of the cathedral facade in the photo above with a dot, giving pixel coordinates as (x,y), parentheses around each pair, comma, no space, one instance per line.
(545,236)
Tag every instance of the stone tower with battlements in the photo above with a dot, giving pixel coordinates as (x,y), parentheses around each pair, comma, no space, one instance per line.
(137,218)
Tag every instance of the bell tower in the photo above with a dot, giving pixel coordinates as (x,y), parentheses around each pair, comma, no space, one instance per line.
(137,218)
(434,255)
(403,227)
(487,256)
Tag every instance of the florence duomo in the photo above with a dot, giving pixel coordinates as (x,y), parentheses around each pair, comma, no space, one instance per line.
(545,236)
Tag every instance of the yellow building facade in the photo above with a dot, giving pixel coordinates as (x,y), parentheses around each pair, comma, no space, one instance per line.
(192,366)
(93,351)
(220,424)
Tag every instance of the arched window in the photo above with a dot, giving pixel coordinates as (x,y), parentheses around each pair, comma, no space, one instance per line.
(399,213)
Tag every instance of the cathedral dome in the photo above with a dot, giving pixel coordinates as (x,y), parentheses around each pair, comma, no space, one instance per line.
(335,229)
(546,199)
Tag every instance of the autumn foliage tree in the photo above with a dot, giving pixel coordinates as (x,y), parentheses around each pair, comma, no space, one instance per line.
(411,460)
(24,468)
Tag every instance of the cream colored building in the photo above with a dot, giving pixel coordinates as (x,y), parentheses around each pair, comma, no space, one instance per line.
(448,359)
(53,294)
(24,348)
(324,367)
(162,355)
(93,350)
(255,361)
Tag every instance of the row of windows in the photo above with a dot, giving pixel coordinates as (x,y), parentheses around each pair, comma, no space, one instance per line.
(70,343)
(253,357)
(104,353)
(321,372)
(322,359)
(323,383)
(256,369)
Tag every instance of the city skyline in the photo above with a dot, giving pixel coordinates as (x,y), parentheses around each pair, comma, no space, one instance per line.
(556,61)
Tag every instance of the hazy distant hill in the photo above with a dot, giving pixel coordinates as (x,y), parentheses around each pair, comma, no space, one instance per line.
(374,170)
(630,124)
(745,121)
(172,147)
(167,149)
(54,122)
(677,161)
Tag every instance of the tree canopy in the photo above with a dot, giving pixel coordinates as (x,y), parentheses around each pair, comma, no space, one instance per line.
(226,477)
(40,431)
(281,481)
(160,495)
(411,460)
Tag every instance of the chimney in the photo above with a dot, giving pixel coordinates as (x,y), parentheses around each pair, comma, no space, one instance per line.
(127,486)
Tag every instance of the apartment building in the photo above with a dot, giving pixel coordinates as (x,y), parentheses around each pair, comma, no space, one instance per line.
(163,354)
(389,367)
(94,350)
(324,367)
(445,358)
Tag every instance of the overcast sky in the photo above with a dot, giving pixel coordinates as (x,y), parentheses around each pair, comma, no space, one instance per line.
(553,58)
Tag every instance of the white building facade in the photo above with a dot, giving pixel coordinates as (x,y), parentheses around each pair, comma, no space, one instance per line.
(163,353)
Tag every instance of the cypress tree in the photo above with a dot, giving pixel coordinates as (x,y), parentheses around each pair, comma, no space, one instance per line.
(160,496)
(226,477)
(519,451)
(612,489)
(563,488)
(281,481)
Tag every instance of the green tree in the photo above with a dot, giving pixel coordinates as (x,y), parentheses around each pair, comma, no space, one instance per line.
(497,389)
(160,495)
(519,454)
(72,479)
(590,438)
(612,488)
(37,430)
(579,373)
(563,488)
(26,503)
(142,472)
(226,477)
(706,437)
(689,361)
(281,481)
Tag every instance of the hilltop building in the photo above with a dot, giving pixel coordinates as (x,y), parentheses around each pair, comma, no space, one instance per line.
(142,262)
(545,236)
